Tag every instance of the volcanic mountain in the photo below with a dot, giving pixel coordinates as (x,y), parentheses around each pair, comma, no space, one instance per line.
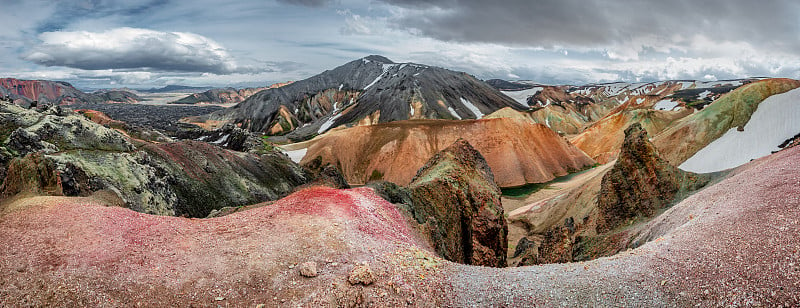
(223,95)
(517,151)
(365,91)
(24,92)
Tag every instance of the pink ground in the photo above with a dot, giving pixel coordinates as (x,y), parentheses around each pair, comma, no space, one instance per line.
(735,243)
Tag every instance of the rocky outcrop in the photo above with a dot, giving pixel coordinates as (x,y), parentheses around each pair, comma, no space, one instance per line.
(369,90)
(228,136)
(58,152)
(519,152)
(45,92)
(455,196)
(603,215)
(641,182)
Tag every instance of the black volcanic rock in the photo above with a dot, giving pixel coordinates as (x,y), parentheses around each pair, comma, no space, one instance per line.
(371,90)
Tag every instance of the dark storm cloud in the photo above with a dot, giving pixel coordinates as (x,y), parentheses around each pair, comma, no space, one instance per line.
(592,23)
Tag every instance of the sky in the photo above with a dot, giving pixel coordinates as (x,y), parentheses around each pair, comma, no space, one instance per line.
(152,43)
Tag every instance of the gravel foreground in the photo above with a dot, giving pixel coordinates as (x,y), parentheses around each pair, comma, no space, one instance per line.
(733,244)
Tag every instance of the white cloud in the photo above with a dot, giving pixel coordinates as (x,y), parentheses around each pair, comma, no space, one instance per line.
(133,48)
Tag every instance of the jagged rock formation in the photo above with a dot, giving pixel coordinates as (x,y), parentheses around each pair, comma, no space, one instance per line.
(603,216)
(519,152)
(365,91)
(45,92)
(641,182)
(228,136)
(454,194)
(58,152)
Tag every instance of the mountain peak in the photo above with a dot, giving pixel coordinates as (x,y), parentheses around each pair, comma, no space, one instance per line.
(378,58)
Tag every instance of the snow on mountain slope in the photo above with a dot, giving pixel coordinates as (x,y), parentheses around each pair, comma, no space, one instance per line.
(774,121)
(665,105)
(522,96)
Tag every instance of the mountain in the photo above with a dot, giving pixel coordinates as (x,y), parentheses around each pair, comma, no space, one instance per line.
(175,89)
(365,91)
(518,152)
(224,95)
(25,92)
(501,84)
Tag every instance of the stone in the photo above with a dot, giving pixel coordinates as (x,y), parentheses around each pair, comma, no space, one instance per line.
(308,269)
(361,274)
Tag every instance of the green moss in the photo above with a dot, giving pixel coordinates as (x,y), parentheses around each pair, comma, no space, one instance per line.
(376,175)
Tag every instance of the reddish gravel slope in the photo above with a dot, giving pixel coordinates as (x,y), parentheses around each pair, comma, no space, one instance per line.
(732,244)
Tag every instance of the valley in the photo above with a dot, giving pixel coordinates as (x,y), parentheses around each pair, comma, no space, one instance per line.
(379,183)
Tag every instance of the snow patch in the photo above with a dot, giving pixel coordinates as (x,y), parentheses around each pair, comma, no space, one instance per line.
(340,87)
(411,107)
(639,100)
(453,112)
(385,68)
(296,155)
(221,140)
(774,121)
(522,95)
(704,94)
(665,105)
(547,121)
(478,114)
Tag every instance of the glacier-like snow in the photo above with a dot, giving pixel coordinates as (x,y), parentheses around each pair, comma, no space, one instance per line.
(774,121)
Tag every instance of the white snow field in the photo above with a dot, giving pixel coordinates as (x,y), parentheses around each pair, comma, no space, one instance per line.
(665,105)
(296,155)
(776,119)
(522,96)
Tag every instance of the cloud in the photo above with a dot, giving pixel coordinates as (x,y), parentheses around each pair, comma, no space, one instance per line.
(308,3)
(626,29)
(134,48)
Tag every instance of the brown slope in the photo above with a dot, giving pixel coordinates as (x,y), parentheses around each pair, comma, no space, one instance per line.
(517,151)
(602,140)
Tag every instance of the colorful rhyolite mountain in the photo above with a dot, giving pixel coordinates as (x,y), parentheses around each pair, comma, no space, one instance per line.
(365,91)
(224,96)
(518,152)
(24,92)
